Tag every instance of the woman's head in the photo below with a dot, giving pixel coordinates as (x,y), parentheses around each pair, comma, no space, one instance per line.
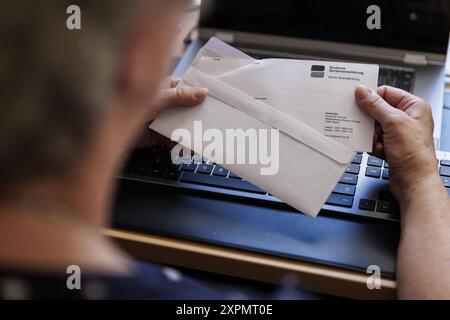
(62,89)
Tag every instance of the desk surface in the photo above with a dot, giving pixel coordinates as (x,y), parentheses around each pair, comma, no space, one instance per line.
(247,265)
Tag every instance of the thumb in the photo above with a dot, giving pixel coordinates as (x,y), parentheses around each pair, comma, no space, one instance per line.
(373,104)
(181,96)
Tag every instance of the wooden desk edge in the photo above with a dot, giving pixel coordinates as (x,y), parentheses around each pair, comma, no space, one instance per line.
(249,265)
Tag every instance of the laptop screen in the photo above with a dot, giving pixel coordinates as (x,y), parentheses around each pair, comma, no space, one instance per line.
(416,25)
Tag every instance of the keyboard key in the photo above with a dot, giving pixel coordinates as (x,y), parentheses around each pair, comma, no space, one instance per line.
(221,172)
(353,169)
(159,161)
(156,172)
(340,200)
(366,204)
(375,162)
(373,172)
(396,78)
(197,159)
(349,179)
(446,181)
(173,174)
(357,159)
(220,182)
(445,171)
(384,195)
(385,206)
(386,174)
(189,167)
(345,189)
(386,165)
(140,170)
(234,176)
(154,151)
(445,163)
(205,168)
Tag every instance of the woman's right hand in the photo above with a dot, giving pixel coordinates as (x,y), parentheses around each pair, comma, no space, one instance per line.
(403,136)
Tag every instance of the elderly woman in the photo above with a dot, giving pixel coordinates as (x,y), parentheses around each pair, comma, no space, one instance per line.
(74,102)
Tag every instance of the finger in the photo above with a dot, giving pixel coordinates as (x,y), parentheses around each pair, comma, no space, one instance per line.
(170,82)
(379,132)
(181,96)
(174,82)
(371,103)
(376,139)
(397,98)
(378,150)
(377,135)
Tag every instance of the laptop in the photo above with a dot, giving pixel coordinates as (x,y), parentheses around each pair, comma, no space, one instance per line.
(411,50)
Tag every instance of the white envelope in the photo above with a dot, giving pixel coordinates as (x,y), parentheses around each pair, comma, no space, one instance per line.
(310,163)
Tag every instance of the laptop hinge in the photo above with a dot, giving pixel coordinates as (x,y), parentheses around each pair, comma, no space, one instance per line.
(415,59)
(225,36)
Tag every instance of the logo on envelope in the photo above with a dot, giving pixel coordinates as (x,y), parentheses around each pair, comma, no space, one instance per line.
(317,71)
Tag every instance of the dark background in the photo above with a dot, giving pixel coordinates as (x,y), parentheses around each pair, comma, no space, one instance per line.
(421,25)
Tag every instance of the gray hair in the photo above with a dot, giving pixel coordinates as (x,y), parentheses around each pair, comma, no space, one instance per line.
(53,81)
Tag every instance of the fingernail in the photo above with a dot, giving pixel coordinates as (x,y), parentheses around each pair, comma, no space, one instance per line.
(361,92)
(199,93)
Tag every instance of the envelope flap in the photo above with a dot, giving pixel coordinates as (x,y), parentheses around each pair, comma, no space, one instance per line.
(216,48)
(271,116)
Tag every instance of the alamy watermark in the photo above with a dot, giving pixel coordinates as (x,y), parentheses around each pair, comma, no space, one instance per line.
(73,281)
(235,146)
(374,280)
(374,20)
(73,21)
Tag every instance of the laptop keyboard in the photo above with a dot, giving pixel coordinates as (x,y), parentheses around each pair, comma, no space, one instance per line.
(402,78)
(399,78)
(363,191)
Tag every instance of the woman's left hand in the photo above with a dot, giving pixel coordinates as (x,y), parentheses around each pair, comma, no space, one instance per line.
(171,94)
